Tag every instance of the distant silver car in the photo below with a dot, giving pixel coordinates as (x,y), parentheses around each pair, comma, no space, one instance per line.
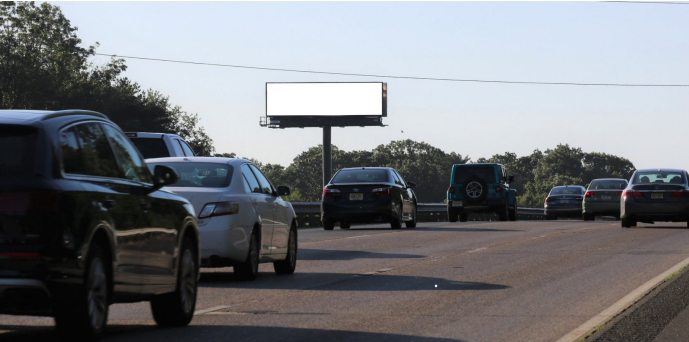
(603,197)
(655,195)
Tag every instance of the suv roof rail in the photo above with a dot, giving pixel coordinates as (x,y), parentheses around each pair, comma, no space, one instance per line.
(66,112)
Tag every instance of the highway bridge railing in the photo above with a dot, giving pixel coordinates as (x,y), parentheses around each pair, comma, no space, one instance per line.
(309,214)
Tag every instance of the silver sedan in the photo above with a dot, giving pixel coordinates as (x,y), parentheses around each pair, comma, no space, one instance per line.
(655,195)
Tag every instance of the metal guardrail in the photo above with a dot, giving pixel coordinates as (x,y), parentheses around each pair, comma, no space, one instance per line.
(309,214)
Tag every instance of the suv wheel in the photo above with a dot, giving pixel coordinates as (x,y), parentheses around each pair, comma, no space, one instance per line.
(451,214)
(328,224)
(502,213)
(288,265)
(85,317)
(176,309)
(248,270)
(412,223)
(475,190)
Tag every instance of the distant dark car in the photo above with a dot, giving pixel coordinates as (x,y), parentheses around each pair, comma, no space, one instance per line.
(84,224)
(655,195)
(368,195)
(603,198)
(564,201)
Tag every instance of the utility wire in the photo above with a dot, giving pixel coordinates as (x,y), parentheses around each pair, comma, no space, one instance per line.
(652,2)
(398,77)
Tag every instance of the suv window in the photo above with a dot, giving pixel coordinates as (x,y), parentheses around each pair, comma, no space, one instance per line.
(96,154)
(249,177)
(17,150)
(185,148)
(464,173)
(131,164)
(265,184)
(151,147)
(72,162)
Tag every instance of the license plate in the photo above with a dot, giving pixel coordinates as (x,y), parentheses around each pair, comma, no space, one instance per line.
(356,196)
(607,197)
(656,195)
(564,201)
(457,204)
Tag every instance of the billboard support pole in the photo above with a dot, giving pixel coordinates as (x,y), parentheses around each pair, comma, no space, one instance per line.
(327,156)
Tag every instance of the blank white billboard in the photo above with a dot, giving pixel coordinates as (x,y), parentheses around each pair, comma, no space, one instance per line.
(324,99)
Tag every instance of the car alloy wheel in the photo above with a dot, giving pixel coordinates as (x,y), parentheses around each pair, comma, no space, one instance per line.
(474,189)
(97,293)
(188,285)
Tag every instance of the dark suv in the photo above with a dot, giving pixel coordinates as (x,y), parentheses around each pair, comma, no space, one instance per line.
(84,224)
(368,195)
(480,187)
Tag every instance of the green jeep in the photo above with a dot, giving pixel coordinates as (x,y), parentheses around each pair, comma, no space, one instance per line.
(480,188)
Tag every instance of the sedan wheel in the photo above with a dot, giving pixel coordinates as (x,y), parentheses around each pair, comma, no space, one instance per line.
(396,219)
(412,223)
(248,270)
(288,265)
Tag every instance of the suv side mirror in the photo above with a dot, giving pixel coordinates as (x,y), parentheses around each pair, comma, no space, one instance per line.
(510,179)
(163,175)
(411,184)
(284,190)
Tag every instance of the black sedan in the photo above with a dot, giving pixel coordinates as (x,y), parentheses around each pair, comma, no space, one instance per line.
(368,195)
(655,195)
(564,201)
(84,224)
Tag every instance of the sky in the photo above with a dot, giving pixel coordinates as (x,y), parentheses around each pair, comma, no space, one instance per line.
(583,42)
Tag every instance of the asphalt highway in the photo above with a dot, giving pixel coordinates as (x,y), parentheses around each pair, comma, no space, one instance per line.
(472,281)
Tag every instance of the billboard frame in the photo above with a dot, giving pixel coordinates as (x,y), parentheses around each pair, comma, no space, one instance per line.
(285,121)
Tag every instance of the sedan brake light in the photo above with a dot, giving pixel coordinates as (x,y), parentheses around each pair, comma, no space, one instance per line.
(589,194)
(327,192)
(219,209)
(550,199)
(381,191)
(632,193)
(680,194)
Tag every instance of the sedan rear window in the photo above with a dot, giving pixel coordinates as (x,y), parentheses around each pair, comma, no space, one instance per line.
(199,175)
(17,150)
(659,177)
(151,147)
(361,176)
(608,185)
(566,191)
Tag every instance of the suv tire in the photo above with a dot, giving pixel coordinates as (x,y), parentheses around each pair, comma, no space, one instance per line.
(463,217)
(475,190)
(176,309)
(451,213)
(328,224)
(503,213)
(73,318)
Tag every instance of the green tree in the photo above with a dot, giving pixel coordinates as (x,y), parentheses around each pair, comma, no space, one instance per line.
(44,66)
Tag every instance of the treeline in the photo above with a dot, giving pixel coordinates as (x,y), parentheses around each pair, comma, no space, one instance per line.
(429,167)
(43,66)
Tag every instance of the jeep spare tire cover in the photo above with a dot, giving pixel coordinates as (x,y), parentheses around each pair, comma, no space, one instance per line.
(475,190)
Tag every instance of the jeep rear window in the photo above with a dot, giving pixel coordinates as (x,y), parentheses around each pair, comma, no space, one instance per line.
(464,173)
(17,150)
(151,147)
(361,176)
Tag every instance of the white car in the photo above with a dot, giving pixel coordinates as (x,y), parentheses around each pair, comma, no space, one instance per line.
(242,219)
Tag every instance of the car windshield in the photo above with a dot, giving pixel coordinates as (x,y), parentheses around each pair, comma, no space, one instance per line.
(662,177)
(464,173)
(206,175)
(608,185)
(570,190)
(361,176)
(151,147)
(17,150)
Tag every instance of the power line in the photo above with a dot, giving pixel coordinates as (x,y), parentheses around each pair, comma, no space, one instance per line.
(398,77)
(651,2)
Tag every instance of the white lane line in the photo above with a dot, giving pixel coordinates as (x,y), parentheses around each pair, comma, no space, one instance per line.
(215,308)
(621,305)
(477,250)
(358,236)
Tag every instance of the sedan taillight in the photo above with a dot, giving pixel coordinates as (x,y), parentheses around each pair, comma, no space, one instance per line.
(632,193)
(219,209)
(588,194)
(327,192)
(680,194)
(381,191)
